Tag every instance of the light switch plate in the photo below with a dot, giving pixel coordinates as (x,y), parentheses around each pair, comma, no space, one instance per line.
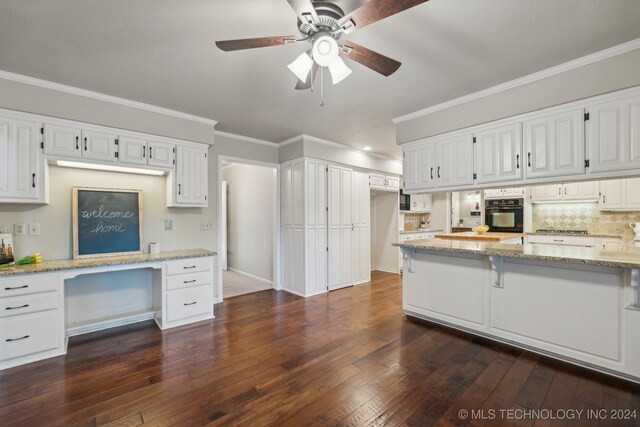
(19,229)
(168,224)
(206,226)
(34,229)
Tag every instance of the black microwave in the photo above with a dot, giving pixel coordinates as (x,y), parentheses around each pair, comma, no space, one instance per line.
(405,201)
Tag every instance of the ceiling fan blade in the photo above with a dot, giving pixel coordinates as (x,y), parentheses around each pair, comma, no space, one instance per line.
(240,44)
(304,86)
(305,10)
(374,60)
(374,11)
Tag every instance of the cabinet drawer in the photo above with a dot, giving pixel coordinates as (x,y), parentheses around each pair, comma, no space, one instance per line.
(189,302)
(188,280)
(25,335)
(31,284)
(28,304)
(191,265)
(563,240)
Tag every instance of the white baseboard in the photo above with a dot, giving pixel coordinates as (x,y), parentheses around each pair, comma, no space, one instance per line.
(110,322)
(386,271)
(259,279)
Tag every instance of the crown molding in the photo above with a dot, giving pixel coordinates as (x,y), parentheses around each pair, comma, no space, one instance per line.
(308,138)
(292,140)
(245,138)
(19,78)
(549,72)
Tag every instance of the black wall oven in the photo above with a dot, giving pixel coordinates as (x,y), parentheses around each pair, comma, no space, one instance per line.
(505,215)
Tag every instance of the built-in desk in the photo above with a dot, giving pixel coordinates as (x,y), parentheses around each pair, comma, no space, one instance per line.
(34,311)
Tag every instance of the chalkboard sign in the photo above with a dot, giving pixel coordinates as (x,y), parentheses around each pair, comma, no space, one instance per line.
(106,222)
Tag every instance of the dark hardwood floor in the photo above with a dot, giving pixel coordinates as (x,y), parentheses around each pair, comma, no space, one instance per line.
(349,357)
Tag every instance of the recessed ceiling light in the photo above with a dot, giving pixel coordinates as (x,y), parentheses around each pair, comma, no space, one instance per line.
(367,148)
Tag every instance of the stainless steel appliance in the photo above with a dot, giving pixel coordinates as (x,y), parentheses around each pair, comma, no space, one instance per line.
(405,201)
(505,215)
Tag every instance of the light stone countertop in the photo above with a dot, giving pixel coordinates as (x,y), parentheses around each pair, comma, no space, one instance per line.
(629,257)
(421,230)
(73,264)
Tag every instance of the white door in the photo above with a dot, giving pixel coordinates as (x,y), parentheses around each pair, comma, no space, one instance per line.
(21,166)
(455,161)
(99,145)
(132,150)
(161,154)
(63,141)
(554,144)
(360,212)
(613,194)
(497,153)
(427,166)
(410,163)
(614,134)
(341,227)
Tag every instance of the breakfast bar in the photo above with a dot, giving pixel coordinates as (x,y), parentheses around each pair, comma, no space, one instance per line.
(577,304)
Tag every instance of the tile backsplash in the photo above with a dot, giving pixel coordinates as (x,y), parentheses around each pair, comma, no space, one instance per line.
(582,216)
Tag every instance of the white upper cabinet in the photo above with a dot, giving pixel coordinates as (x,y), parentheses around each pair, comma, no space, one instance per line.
(383,183)
(161,154)
(410,168)
(132,150)
(427,165)
(62,141)
(578,191)
(455,161)
(620,195)
(98,144)
(190,185)
(498,153)
(421,202)
(614,133)
(554,143)
(22,167)
(501,193)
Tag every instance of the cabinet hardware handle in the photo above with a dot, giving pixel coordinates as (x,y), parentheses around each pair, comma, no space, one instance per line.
(16,287)
(85,144)
(77,142)
(604,199)
(438,171)
(529,159)
(517,161)
(565,191)
(17,339)
(144,151)
(559,191)
(191,266)
(150,153)
(353,227)
(33,180)
(431,173)
(189,281)
(179,189)
(190,303)
(15,308)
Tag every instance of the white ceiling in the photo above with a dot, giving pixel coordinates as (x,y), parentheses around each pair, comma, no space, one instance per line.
(162,53)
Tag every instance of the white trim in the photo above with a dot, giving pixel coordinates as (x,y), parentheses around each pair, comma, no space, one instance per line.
(251,276)
(308,138)
(6,75)
(245,138)
(292,140)
(110,323)
(549,72)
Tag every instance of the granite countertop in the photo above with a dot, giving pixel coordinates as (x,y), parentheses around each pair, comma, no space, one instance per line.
(578,235)
(421,230)
(629,257)
(73,264)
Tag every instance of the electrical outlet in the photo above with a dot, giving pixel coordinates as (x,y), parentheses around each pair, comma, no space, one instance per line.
(19,229)
(168,224)
(34,229)
(4,229)
(206,226)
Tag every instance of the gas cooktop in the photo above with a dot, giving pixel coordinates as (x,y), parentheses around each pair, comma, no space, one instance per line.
(545,231)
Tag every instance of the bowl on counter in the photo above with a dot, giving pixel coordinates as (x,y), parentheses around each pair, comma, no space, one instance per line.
(480,229)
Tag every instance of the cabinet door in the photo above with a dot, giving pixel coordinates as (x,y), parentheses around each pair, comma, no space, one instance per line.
(191,172)
(613,194)
(582,191)
(514,192)
(341,227)
(360,219)
(410,165)
(632,194)
(546,193)
(21,166)
(393,183)
(99,145)
(63,141)
(427,166)
(377,181)
(614,134)
(555,144)
(455,161)
(161,154)
(132,150)
(493,193)
(498,152)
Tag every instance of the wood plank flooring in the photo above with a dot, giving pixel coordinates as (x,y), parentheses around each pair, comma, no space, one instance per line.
(348,358)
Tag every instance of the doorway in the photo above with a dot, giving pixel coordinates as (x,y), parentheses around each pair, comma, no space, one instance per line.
(248,235)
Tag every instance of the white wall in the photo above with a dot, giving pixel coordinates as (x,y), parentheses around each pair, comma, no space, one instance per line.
(250,206)
(385,222)
(440,217)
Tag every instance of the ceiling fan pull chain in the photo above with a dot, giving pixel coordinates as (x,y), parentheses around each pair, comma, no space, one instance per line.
(322,86)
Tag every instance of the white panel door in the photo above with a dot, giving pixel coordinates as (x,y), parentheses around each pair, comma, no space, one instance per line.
(341,227)
(21,166)
(63,141)
(614,134)
(132,150)
(555,144)
(410,166)
(99,145)
(316,227)
(455,161)
(498,152)
(427,166)
(5,161)
(161,154)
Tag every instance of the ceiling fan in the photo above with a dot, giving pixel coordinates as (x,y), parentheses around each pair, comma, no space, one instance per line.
(322,24)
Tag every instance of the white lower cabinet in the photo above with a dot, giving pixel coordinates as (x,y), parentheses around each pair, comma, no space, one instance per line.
(186,292)
(31,319)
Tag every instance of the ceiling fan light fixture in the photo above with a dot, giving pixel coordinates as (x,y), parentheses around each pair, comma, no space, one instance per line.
(325,50)
(339,70)
(301,66)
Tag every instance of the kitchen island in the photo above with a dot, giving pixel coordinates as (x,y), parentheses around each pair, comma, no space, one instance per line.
(514,238)
(581,305)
